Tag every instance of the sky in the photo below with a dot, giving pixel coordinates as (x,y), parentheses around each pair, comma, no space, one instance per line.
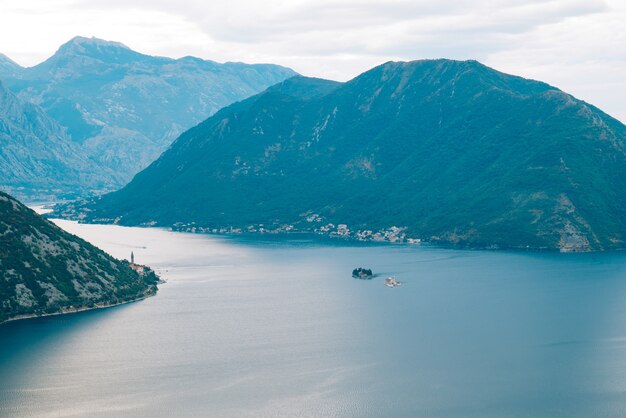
(578,46)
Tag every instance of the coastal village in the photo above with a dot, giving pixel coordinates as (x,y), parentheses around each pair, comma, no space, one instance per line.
(311,223)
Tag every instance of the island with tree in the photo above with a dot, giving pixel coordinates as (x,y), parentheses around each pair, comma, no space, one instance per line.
(362,273)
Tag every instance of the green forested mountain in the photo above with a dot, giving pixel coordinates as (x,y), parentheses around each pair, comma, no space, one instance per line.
(37,158)
(450,152)
(124,108)
(44,269)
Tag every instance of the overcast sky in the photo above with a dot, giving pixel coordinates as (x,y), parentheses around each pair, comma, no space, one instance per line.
(576,45)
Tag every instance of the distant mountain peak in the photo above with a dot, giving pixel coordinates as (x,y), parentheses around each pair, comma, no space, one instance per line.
(94,47)
(82,41)
(446,73)
(119,108)
(439,64)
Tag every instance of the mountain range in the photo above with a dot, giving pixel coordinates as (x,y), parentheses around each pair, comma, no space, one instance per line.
(38,158)
(45,270)
(121,108)
(449,152)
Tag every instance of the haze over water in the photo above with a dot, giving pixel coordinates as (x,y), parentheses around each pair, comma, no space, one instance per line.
(268,327)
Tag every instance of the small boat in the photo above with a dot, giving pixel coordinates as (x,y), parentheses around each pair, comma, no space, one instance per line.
(392,282)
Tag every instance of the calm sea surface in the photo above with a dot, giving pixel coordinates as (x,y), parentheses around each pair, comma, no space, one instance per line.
(267,328)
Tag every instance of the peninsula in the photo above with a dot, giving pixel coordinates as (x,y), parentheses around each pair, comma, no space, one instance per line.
(47,271)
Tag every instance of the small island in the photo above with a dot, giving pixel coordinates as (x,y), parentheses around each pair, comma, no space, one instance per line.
(362,273)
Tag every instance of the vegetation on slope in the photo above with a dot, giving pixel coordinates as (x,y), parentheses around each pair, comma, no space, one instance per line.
(46,270)
(454,152)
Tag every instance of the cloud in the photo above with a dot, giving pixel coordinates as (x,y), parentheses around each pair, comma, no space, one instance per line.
(577,45)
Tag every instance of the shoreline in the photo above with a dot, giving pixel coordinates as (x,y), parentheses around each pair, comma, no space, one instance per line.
(352,240)
(69,311)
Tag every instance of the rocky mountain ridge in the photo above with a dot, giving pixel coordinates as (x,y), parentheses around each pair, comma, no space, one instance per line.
(442,151)
(124,108)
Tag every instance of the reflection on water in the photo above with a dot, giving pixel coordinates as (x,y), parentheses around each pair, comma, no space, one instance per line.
(249,327)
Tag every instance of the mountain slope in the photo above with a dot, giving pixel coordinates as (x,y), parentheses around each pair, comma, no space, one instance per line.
(46,270)
(8,67)
(37,155)
(109,97)
(455,152)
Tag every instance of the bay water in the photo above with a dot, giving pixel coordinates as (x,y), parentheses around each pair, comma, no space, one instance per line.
(271,327)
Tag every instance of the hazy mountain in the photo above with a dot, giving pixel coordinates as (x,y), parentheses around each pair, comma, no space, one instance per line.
(47,270)
(456,152)
(124,107)
(8,67)
(37,158)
